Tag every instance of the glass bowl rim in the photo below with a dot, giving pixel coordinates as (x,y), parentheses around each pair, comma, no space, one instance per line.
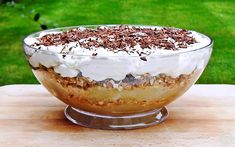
(109,25)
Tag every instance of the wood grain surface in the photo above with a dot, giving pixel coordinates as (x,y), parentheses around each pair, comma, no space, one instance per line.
(204,116)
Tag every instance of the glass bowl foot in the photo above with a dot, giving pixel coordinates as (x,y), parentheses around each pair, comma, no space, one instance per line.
(134,121)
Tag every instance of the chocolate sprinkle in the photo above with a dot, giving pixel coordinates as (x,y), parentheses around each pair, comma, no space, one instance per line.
(94,54)
(122,38)
(143,58)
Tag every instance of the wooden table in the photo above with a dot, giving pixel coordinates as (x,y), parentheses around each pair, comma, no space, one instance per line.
(204,116)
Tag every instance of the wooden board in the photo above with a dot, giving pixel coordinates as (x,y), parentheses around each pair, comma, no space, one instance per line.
(204,116)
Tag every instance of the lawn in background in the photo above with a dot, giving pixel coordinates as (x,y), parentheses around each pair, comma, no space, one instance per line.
(214,18)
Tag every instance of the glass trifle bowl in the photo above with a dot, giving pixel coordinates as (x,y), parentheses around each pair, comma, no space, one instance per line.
(117,76)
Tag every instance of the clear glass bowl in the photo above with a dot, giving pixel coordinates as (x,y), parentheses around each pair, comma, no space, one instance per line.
(132,102)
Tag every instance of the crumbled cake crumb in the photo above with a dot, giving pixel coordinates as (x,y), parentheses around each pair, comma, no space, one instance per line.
(127,83)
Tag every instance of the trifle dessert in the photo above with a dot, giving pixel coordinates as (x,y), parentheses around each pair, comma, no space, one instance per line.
(117,76)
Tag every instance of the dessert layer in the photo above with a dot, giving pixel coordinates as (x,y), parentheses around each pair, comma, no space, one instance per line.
(119,40)
(128,83)
(115,51)
(104,98)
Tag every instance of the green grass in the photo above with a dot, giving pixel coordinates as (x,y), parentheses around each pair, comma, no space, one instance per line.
(215,18)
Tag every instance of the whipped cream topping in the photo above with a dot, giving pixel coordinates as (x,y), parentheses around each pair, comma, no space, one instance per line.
(99,63)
